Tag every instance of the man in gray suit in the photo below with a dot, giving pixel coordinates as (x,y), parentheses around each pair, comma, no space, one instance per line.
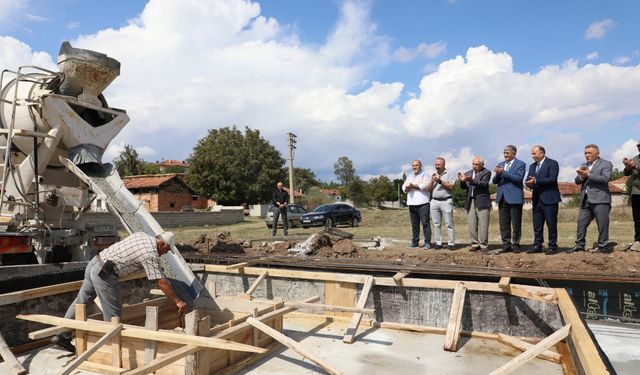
(595,198)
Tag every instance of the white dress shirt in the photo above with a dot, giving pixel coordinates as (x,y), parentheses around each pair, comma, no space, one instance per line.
(417,197)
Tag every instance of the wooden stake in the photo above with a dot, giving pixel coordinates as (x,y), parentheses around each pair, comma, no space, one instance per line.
(533,351)
(150,323)
(355,320)
(504,283)
(204,362)
(455,318)
(12,362)
(116,345)
(291,344)
(237,266)
(81,336)
(320,306)
(253,286)
(523,346)
(397,278)
(83,357)
(163,361)
(191,328)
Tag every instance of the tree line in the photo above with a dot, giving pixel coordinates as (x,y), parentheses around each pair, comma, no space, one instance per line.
(236,167)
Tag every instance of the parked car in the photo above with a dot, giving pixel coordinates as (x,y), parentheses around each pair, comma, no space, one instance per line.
(293,216)
(330,215)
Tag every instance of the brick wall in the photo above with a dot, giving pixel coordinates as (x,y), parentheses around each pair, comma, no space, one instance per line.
(173,219)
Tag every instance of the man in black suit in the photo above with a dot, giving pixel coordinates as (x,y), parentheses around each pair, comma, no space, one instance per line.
(543,181)
(477,204)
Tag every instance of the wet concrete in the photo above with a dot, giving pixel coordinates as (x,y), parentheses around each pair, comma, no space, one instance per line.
(385,351)
(620,342)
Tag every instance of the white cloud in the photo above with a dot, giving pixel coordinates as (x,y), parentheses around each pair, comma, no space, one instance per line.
(423,50)
(115,148)
(35,17)
(9,8)
(621,60)
(72,25)
(14,53)
(598,29)
(592,56)
(627,150)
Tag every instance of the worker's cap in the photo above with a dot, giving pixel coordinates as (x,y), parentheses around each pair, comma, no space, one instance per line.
(169,238)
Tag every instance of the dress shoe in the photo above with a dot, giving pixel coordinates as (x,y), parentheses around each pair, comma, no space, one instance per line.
(63,342)
(517,249)
(505,249)
(413,245)
(635,246)
(602,250)
(451,247)
(551,251)
(534,250)
(438,246)
(575,249)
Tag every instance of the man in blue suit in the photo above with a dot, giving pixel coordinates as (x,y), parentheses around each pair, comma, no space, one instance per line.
(543,181)
(510,198)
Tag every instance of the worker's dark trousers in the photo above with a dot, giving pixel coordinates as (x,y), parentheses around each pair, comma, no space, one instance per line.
(106,289)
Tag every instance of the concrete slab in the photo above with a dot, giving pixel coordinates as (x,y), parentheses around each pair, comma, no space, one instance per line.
(385,351)
(620,342)
(45,361)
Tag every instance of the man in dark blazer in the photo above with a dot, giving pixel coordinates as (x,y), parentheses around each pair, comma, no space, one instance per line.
(595,198)
(510,198)
(542,179)
(477,203)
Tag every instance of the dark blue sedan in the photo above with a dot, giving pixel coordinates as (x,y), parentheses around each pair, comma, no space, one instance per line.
(330,215)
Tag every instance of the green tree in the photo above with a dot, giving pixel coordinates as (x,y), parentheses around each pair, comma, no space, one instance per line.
(150,168)
(313,198)
(344,170)
(305,179)
(459,195)
(356,191)
(380,189)
(128,162)
(235,168)
(616,174)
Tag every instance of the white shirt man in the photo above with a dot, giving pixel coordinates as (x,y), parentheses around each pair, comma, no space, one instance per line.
(418,201)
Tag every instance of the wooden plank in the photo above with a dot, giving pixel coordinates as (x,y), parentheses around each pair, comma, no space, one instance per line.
(116,345)
(81,336)
(151,323)
(532,292)
(141,333)
(84,356)
(455,318)
(523,346)
(249,360)
(191,328)
(532,352)
(12,363)
(164,360)
(291,344)
(320,306)
(587,353)
(253,286)
(397,278)
(101,368)
(237,266)
(504,283)
(24,295)
(48,332)
(355,320)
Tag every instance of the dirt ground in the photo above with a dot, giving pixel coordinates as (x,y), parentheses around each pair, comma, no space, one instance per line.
(618,262)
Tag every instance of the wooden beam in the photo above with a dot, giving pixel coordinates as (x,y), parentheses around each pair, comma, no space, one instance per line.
(237,266)
(530,292)
(253,286)
(81,336)
(150,323)
(191,328)
(204,361)
(532,352)
(94,348)
(11,361)
(587,353)
(164,360)
(101,368)
(141,333)
(301,305)
(355,320)
(397,278)
(504,283)
(523,346)
(455,318)
(248,360)
(291,344)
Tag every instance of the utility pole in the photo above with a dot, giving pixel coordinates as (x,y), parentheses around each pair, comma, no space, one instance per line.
(292,146)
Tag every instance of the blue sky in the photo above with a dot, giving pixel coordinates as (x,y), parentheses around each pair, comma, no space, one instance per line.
(381,82)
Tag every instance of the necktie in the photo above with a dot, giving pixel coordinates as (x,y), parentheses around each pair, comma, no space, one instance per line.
(537,167)
(473,177)
(507,166)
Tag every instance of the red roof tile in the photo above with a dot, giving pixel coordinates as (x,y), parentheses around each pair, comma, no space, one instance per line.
(148,181)
(172,163)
